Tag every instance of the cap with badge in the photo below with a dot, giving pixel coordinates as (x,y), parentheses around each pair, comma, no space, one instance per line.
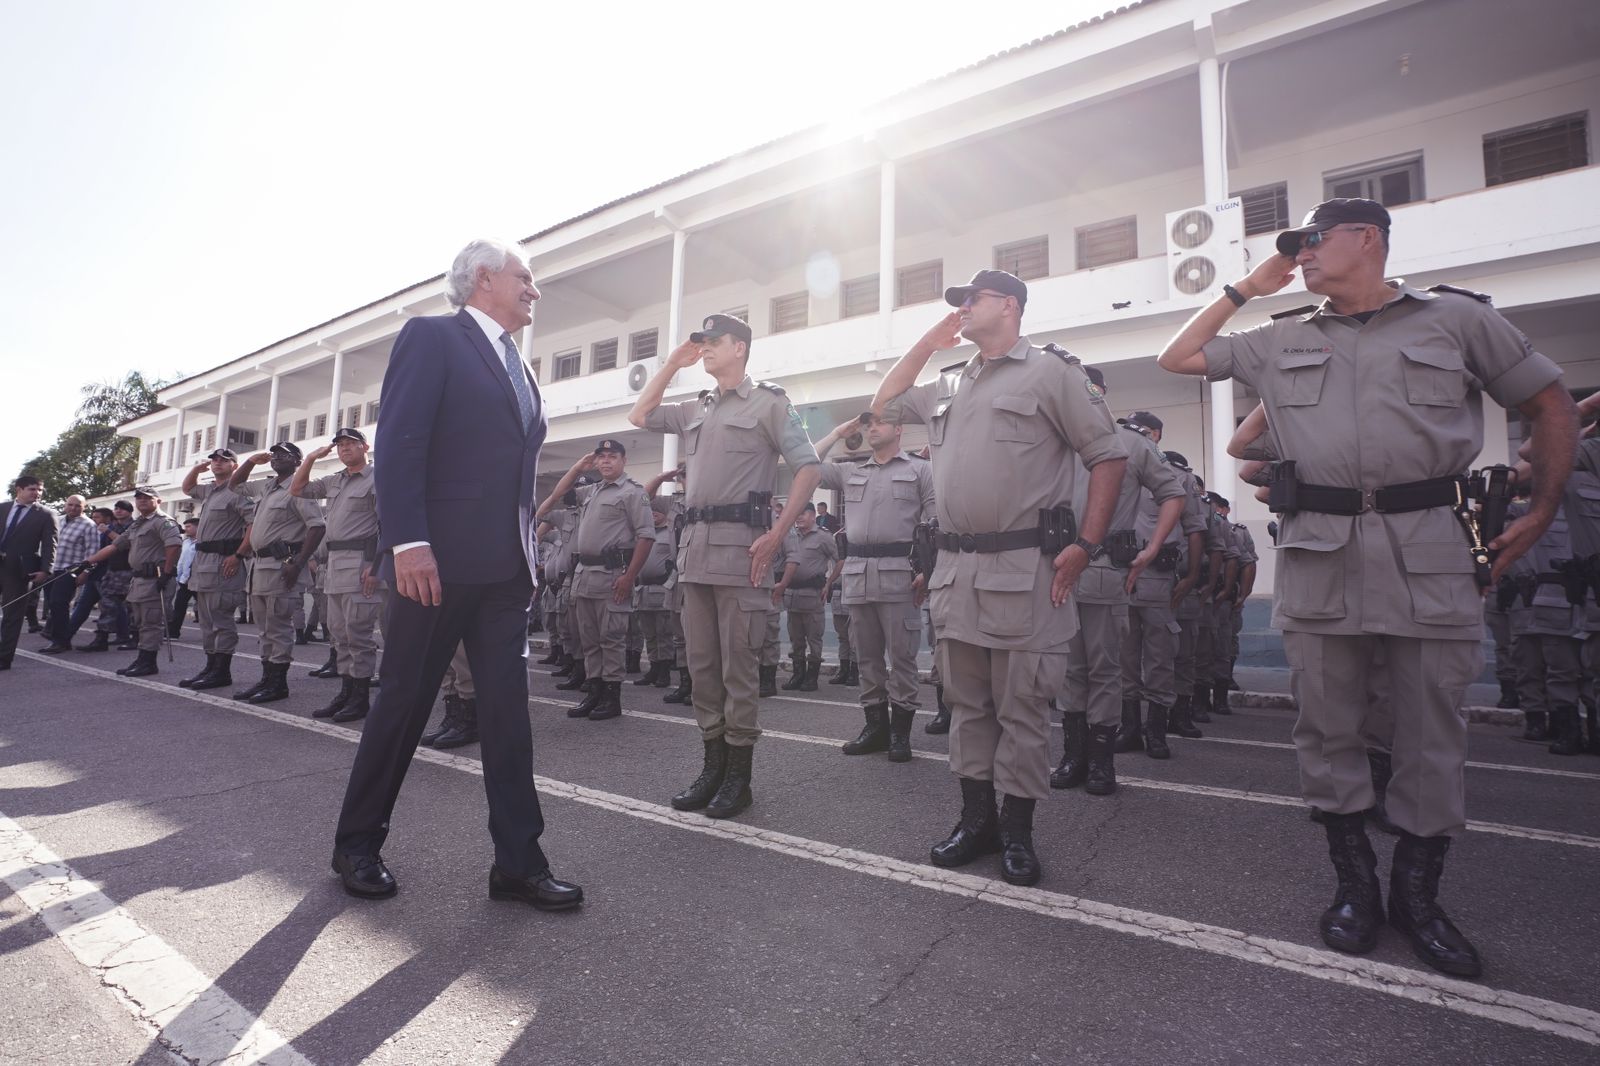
(147,492)
(610,444)
(1177,459)
(223,453)
(284,447)
(1331,213)
(1146,419)
(1000,281)
(715,326)
(349,433)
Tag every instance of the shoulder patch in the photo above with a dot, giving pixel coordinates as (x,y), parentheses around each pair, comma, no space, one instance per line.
(794,416)
(1295,312)
(771,386)
(1479,296)
(1061,353)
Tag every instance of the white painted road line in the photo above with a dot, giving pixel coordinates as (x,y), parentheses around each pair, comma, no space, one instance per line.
(171,999)
(1418,986)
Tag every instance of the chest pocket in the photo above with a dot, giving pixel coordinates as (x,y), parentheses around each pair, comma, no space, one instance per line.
(691,435)
(742,434)
(360,497)
(1435,377)
(904,486)
(1300,378)
(1015,419)
(855,490)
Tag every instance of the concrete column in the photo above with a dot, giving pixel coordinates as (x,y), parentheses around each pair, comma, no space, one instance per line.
(886,231)
(1214,165)
(269,438)
(336,392)
(675,336)
(180,454)
(222,421)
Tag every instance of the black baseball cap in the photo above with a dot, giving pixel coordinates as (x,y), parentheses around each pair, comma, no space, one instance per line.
(223,453)
(1147,420)
(610,444)
(995,280)
(147,492)
(1331,213)
(715,326)
(286,448)
(349,433)
(1096,375)
(1177,459)
(122,505)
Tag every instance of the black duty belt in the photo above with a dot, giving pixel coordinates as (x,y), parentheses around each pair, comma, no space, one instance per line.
(279,549)
(218,547)
(147,570)
(611,558)
(720,512)
(1391,499)
(808,582)
(987,543)
(895,549)
(367,546)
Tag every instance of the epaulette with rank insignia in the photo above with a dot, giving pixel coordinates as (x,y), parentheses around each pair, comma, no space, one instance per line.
(953,367)
(1061,353)
(1294,311)
(1479,296)
(771,386)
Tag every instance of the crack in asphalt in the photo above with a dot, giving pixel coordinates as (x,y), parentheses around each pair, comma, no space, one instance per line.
(952,924)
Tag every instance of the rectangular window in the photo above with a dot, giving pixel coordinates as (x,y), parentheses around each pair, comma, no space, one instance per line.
(155,461)
(568,365)
(533,368)
(352,417)
(1026,259)
(1546,147)
(199,436)
(211,438)
(919,284)
(790,312)
(603,355)
(319,426)
(1390,182)
(372,411)
(283,434)
(239,439)
(1108,242)
(859,296)
(1266,209)
(299,429)
(741,313)
(641,346)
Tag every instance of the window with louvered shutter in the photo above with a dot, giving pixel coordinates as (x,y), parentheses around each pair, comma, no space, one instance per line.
(211,438)
(858,296)
(642,345)
(352,417)
(568,365)
(790,312)
(283,434)
(241,438)
(1392,182)
(319,426)
(1266,209)
(603,354)
(919,284)
(1108,242)
(372,411)
(741,313)
(1547,147)
(300,429)
(1026,259)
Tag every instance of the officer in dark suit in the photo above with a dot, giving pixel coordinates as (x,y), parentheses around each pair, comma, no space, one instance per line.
(460,436)
(27,548)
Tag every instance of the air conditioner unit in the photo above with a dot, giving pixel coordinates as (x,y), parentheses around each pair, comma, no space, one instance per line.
(638,376)
(1205,249)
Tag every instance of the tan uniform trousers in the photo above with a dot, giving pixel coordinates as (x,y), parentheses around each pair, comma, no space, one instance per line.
(1000,709)
(146,612)
(1427,680)
(805,631)
(603,632)
(842,628)
(655,627)
(635,635)
(353,621)
(219,620)
(272,608)
(770,650)
(1092,682)
(725,626)
(1148,654)
(1548,670)
(886,631)
(458,677)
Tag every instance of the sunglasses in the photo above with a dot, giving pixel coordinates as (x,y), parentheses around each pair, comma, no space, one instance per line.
(1311,240)
(980,294)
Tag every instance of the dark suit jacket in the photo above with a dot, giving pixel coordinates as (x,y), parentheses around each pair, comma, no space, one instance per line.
(33,542)
(454,467)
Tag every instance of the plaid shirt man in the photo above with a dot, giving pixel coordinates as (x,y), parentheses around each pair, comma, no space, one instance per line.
(77,540)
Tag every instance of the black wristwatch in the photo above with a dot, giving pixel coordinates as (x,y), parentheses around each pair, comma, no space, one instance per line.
(1093,551)
(1239,299)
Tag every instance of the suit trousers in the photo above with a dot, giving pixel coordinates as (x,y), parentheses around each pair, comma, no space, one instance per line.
(490,622)
(882,632)
(1427,680)
(1092,682)
(14,585)
(1000,709)
(603,632)
(725,626)
(219,620)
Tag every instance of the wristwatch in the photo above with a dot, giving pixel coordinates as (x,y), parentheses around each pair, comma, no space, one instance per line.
(1093,551)
(1239,299)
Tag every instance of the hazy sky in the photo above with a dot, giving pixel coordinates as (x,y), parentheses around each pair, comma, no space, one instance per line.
(186,182)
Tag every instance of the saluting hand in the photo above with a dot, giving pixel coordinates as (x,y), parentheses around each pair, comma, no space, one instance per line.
(946,333)
(684,355)
(1069,566)
(318,453)
(261,457)
(1271,274)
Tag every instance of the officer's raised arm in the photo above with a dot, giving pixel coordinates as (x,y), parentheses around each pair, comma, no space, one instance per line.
(684,355)
(1185,353)
(945,334)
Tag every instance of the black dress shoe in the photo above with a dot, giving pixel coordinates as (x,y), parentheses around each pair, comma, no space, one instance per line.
(54,648)
(365,875)
(541,891)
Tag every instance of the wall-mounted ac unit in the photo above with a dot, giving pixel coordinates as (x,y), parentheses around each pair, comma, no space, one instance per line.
(638,376)
(1205,249)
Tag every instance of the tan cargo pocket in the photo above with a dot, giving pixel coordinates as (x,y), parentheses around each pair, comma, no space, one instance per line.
(1300,378)
(755,605)
(1015,419)
(1005,603)
(1313,583)
(1435,377)
(1443,591)
(728,549)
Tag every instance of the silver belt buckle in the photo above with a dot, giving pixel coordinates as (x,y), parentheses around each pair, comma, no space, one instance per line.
(1369,500)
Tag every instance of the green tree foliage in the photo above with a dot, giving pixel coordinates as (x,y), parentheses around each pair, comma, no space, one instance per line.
(89,458)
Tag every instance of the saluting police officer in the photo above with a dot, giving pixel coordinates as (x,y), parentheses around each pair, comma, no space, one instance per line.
(613,539)
(733,437)
(810,562)
(555,544)
(352,590)
(1375,397)
(151,547)
(1004,427)
(284,532)
(887,495)
(217,575)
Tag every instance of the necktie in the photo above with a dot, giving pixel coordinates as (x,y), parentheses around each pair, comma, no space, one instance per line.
(17,511)
(519,381)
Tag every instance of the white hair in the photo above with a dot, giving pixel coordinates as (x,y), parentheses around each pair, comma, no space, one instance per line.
(490,255)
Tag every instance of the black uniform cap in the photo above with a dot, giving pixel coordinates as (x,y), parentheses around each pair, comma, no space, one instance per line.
(284,447)
(1147,420)
(997,280)
(715,326)
(610,444)
(349,433)
(1331,213)
(147,492)
(223,453)
(1176,459)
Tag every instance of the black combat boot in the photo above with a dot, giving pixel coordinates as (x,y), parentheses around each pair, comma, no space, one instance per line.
(207,671)
(1179,721)
(838,672)
(576,679)
(1351,922)
(329,668)
(552,656)
(651,675)
(1382,770)
(1018,863)
(846,674)
(463,730)
(1130,735)
(874,736)
(664,679)
(302,635)
(274,684)
(1102,773)
(1414,908)
(1155,732)
(266,674)
(1535,727)
(143,665)
(101,642)
(338,702)
(940,723)
(610,702)
(359,703)
(797,676)
(221,675)
(630,662)
(1508,698)
(734,795)
(1200,709)
(900,719)
(1074,766)
(594,694)
(769,681)
(808,682)
(568,665)
(978,831)
(1565,734)
(130,643)
(700,791)
(1593,719)
(452,712)
(1219,699)
(855,674)
(684,693)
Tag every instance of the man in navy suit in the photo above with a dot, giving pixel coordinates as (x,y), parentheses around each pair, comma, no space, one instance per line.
(27,546)
(459,439)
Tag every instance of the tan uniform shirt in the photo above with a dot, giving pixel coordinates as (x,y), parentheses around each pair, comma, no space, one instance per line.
(558,563)
(732,441)
(615,515)
(278,516)
(1146,478)
(884,502)
(1004,435)
(224,514)
(146,543)
(352,514)
(813,554)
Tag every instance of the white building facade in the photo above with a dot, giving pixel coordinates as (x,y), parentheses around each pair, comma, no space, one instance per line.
(1062,161)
